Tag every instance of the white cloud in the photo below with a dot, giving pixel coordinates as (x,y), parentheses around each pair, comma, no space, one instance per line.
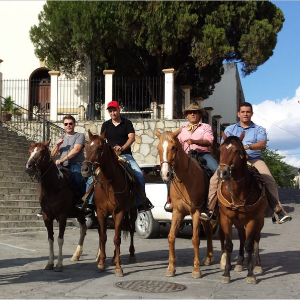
(281,118)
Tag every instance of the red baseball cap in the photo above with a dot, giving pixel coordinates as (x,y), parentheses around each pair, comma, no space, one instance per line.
(113,103)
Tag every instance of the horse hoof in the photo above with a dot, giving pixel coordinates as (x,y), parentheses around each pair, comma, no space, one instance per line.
(225,279)
(49,267)
(119,272)
(238,268)
(196,274)
(208,261)
(258,270)
(132,259)
(251,280)
(101,268)
(75,258)
(170,273)
(58,269)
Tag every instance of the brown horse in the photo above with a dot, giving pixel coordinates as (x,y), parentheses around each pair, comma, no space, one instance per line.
(57,198)
(242,203)
(113,195)
(188,194)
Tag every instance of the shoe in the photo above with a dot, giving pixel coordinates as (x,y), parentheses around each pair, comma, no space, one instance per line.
(145,207)
(168,206)
(82,205)
(280,217)
(39,214)
(89,207)
(207,215)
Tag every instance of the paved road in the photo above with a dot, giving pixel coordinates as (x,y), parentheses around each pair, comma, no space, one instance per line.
(24,256)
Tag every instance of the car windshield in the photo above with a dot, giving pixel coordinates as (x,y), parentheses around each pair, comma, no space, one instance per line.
(152,174)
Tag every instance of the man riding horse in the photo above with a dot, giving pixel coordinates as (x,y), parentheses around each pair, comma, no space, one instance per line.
(196,139)
(255,141)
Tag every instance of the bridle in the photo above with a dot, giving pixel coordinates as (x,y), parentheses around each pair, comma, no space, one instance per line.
(171,164)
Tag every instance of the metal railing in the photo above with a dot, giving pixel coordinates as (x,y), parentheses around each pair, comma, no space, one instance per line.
(35,127)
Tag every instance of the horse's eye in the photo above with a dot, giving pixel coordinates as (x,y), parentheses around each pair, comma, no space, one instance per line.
(173,147)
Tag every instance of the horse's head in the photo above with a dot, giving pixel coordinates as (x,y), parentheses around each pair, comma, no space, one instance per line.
(232,156)
(94,153)
(167,149)
(39,158)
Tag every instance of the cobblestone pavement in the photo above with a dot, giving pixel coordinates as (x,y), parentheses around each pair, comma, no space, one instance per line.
(24,256)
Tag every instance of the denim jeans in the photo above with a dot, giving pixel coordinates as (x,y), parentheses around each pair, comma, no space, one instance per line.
(137,172)
(79,180)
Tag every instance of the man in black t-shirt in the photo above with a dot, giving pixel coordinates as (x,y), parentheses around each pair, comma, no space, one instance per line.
(120,135)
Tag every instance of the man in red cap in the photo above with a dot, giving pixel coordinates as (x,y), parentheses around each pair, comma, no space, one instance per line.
(120,135)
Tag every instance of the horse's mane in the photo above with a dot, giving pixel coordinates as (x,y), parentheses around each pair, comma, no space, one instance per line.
(165,136)
(233,139)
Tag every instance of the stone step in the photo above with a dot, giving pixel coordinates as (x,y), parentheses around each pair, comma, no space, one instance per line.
(27,224)
(11,155)
(19,174)
(17,190)
(13,143)
(20,203)
(18,184)
(10,166)
(20,210)
(17,150)
(19,196)
(18,217)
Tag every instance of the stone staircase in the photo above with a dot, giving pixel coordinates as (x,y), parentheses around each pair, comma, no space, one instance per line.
(19,202)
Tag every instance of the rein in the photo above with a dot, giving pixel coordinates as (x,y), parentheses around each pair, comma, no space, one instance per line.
(37,173)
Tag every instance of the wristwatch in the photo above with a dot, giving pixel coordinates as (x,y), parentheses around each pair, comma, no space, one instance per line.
(249,146)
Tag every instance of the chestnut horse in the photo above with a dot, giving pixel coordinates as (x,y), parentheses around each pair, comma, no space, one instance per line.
(57,198)
(242,203)
(187,193)
(113,195)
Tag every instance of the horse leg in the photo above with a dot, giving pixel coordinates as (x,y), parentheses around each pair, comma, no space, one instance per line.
(60,240)
(117,242)
(239,265)
(49,226)
(222,242)
(102,240)
(175,224)
(257,267)
(249,246)
(79,248)
(208,260)
(132,219)
(196,273)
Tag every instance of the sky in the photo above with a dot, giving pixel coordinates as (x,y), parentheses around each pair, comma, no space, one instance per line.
(274,89)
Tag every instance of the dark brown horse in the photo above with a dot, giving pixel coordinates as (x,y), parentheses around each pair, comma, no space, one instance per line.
(242,203)
(113,195)
(187,192)
(57,198)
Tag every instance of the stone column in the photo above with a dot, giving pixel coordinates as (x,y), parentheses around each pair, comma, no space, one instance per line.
(108,90)
(54,95)
(217,118)
(187,95)
(169,94)
(209,110)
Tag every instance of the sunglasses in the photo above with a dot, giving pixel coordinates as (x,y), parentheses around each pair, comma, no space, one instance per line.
(192,112)
(66,124)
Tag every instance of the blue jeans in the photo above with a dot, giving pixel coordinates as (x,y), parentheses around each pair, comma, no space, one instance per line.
(79,180)
(137,172)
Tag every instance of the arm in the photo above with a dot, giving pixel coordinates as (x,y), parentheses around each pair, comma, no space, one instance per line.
(256,146)
(131,139)
(55,149)
(77,148)
(206,139)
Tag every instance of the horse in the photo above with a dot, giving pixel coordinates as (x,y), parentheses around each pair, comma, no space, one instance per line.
(188,192)
(242,203)
(57,199)
(113,195)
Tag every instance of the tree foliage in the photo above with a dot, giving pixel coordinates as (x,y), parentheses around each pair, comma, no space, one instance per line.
(144,37)
(281,171)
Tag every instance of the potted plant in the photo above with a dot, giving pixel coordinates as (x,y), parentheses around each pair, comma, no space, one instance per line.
(8,109)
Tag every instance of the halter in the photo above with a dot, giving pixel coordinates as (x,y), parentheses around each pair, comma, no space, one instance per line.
(171,164)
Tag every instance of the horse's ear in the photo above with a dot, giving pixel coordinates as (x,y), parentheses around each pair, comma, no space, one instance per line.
(175,134)
(103,135)
(224,136)
(157,133)
(242,136)
(48,143)
(90,134)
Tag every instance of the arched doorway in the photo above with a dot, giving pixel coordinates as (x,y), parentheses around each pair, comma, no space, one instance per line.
(39,92)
